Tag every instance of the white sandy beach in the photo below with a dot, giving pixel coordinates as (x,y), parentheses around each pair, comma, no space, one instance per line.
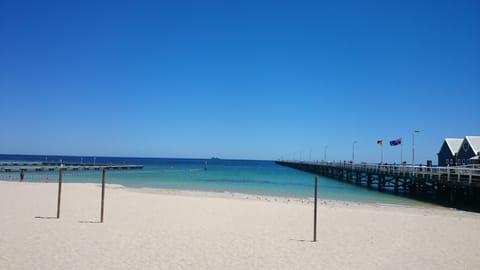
(148,229)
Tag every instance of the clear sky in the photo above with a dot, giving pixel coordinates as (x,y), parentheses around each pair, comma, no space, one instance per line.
(238,79)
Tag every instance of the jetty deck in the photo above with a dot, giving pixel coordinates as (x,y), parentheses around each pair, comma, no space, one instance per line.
(444,185)
(52,166)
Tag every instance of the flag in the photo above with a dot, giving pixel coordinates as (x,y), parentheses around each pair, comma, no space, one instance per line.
(396,142)
(380,142)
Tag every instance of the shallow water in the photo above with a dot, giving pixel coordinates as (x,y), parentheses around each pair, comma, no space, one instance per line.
(240,176)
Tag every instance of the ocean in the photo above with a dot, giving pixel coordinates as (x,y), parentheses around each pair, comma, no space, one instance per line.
(236,176)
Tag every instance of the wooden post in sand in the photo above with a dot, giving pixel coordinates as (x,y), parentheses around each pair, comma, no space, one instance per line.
(104,172)
(60,176)
(315,212)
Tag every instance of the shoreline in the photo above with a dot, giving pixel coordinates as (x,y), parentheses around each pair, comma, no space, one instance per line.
(273,198)
(306,201)
(250,196)
(240,195)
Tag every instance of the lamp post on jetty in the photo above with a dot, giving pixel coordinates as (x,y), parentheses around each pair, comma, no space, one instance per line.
(325,153)
(413,146)
(353,151)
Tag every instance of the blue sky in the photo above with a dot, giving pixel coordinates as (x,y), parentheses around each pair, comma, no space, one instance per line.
(238,79)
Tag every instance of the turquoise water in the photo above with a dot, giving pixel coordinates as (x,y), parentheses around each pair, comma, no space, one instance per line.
(251,177)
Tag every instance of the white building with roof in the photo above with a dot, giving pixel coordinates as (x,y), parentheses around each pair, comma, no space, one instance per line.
(469,150)
(457,151)
(447,156)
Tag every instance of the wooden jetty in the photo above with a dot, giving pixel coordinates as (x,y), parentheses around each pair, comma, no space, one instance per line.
(42,166)
(445,185)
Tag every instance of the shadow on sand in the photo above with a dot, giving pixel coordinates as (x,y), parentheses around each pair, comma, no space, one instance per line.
(89,221)
(41,217)
(302,240)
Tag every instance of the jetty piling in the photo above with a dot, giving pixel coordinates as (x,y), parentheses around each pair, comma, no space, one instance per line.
(104,174)
(59,197)
(315,211)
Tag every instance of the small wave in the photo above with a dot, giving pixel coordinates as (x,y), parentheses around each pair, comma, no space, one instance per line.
(238,181)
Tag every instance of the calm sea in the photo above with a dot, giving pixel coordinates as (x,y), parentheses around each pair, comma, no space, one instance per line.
(241,176)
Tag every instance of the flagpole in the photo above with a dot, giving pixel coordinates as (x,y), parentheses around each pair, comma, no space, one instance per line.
(401,151)
(413,146)
(380,142)
(381,159)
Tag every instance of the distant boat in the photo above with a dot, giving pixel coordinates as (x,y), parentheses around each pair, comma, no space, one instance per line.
(215,158)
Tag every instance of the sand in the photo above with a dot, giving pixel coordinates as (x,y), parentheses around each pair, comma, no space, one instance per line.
(162,229)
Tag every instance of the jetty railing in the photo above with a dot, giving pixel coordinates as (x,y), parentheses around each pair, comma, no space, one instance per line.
(445,184)
(449,173)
